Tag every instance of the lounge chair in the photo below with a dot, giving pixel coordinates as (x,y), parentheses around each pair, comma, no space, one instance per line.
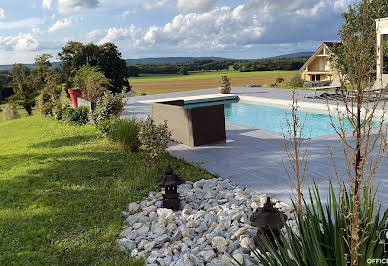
(334,85)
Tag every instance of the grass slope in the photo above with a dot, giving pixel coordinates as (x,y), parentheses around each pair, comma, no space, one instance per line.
(62,191)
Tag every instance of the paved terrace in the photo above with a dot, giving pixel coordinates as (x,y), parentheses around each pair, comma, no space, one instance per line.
(254,157)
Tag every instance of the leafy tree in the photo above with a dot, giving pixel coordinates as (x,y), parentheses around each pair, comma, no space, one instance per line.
(25,93)
(51,92)
(133,71)
(92,82)
(41,70)
(75,55)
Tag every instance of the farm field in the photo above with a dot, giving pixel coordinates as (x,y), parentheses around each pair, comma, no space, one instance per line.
(164,83)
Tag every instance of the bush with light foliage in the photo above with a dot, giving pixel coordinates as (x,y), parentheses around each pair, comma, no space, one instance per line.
(154,138)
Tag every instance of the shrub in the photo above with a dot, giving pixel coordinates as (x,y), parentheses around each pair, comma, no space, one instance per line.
(320,236)
(59,110)
(76,116)
(107,127)
(296,81)
(92,82)
(9,112)
(279,80)
(108,106)
(126,132)
(254,85)
(154,138)
(225,81)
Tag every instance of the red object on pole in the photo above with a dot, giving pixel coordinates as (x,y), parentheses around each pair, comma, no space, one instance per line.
(73,96)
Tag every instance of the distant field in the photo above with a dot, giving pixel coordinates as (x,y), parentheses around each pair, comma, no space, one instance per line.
(163,83)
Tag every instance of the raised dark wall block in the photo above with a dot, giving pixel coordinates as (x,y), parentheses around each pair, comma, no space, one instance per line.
(191,126)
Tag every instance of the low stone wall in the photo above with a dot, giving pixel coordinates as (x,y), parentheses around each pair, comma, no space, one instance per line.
(212,225)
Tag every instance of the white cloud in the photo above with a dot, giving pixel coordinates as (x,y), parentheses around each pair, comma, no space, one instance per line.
(2,13)
(126,13)
(47,4)
(311,12)
(95,35)
(117,34)
(20,42)
(157,4)
(343,4)
(24,23)
(60,25)
(188,6)
(252,23)
(70,6)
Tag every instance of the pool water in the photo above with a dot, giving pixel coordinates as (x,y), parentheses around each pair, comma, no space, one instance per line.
(274,119)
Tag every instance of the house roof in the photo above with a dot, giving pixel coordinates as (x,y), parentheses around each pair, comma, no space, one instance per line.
(327,44)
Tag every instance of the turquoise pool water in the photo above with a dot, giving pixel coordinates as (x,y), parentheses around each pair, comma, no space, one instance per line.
(274,119)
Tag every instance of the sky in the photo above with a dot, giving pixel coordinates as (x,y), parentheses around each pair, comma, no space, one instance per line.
(160,28)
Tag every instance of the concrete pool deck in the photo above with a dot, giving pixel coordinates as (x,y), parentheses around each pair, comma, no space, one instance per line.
(254,157)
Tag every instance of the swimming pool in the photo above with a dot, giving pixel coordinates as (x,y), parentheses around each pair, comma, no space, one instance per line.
(274,118)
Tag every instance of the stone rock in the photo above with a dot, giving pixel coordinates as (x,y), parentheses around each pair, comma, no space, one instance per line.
(177,235)
(163,213)
(149,246)
(213,224)
(240,232)
(219,241)
(208,255)
(246,243)
(134,252)
(236,217)
(143,230)
(134,208)
(127,244)
(157,229)
(227,260)
(239,257)
(137,225)
(255,205)
(143,242)
(161,240)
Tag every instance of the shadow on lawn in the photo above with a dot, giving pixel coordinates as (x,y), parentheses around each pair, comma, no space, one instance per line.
(67,141)
(69,207)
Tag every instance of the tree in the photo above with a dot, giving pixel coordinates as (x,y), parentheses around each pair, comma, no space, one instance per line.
(41,70)
(92,82)
(51,92)
(25,93)
(355,60)
(75,55)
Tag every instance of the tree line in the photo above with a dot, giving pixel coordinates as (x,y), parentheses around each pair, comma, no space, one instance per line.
(216,65)
(44,83)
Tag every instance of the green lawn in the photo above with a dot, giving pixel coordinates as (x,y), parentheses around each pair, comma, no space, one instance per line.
(207,75)
(62,191)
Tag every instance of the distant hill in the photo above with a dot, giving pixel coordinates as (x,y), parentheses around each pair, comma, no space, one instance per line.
(8,67)
(170,60)
(293,55)
(173,60)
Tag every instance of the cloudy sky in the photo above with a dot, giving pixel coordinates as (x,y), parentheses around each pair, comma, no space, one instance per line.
(156,28)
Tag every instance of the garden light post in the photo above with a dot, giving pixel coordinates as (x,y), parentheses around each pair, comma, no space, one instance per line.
(170,183)
(267,219)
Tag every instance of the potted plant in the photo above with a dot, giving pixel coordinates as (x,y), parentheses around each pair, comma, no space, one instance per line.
(74,93)
(225,85)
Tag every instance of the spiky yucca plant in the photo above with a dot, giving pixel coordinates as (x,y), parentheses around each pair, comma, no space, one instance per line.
(319,237)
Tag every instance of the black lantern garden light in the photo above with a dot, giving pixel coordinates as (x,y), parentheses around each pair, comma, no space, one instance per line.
(170,183)
(268,219)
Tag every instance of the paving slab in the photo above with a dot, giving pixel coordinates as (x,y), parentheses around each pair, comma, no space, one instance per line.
(255,157)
